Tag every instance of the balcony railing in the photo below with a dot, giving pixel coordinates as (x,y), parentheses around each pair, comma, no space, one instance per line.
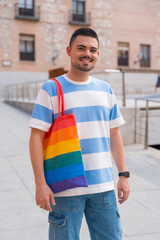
(80,19)
(122,61)
(24,56)
(28,13)
(145,63)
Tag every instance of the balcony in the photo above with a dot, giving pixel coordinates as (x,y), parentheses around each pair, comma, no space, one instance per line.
(24,56)
(27,13)
(80,19)
(145,63)
(122,61)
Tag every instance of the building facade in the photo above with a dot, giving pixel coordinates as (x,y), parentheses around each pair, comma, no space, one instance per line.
(34,35)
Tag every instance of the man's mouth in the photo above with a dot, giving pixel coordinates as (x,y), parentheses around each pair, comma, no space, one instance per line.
(86,59)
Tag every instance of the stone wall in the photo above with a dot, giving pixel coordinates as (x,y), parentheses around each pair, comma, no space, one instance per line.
(157,4)
(6,25)
(113,20)
(102,16)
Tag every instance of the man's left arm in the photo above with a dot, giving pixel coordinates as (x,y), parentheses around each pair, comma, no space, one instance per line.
(117,151)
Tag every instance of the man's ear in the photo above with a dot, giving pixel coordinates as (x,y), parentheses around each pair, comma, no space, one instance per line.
(68,50)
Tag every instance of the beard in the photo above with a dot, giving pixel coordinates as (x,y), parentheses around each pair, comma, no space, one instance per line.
(83,68)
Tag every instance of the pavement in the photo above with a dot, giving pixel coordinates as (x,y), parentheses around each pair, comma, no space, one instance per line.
(20,218)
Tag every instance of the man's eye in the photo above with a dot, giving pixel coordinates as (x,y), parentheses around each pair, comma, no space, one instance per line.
(80,48)
(93,50)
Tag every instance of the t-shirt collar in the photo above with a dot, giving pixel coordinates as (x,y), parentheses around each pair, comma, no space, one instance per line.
(76,82)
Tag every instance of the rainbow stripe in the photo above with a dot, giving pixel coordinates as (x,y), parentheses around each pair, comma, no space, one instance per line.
(63,164)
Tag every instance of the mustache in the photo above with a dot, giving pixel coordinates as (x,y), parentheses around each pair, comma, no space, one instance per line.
(91,59)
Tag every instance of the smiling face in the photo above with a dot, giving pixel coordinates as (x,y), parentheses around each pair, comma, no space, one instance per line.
(83,53)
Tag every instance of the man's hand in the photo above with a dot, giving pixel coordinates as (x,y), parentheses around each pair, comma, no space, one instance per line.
(43,195)
(123,189)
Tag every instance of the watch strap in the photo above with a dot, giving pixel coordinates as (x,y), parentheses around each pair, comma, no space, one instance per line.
(124,174)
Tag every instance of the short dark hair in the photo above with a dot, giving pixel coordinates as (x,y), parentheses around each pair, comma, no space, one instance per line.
(83,32)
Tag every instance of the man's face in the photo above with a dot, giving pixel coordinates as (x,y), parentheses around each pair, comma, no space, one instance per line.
(83,53)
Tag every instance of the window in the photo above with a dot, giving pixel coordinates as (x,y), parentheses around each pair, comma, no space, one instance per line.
(26,3)
(27,47)
(78,10)
(145,55)
(26,7)
(123,54)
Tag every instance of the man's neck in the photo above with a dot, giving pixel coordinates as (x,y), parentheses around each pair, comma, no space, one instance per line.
(78,76)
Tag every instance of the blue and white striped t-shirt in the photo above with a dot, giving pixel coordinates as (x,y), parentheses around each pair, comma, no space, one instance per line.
(94,106)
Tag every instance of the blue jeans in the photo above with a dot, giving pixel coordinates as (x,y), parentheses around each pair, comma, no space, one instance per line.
(101,214)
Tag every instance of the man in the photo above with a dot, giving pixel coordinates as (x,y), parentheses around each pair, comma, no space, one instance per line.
(157,84)
(98,118)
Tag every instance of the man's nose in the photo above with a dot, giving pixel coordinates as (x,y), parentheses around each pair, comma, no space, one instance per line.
(87,53)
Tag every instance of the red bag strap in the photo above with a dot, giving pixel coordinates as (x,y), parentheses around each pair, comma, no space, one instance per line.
(60,98)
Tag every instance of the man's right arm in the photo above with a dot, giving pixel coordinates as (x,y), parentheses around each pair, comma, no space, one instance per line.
(43,192)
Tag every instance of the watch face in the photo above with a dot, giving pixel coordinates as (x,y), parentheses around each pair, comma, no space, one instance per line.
(127,174)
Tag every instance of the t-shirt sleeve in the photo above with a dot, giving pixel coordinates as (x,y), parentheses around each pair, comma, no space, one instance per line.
(115,117)
(42,115)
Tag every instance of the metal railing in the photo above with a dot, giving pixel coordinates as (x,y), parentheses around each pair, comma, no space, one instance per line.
(79,19)
(27,12)
(27,56)
(26,92)
(123,62)
(145,63)
(142,126)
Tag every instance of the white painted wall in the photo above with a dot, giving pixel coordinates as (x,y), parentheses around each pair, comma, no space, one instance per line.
(135,83)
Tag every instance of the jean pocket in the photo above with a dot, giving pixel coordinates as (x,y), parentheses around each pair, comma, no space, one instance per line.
(57,227)
(57,220)
(109,198)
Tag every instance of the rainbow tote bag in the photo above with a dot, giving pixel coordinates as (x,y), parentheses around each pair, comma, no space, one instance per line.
(63,165)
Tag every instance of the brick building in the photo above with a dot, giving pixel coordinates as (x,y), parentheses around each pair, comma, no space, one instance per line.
(34,35)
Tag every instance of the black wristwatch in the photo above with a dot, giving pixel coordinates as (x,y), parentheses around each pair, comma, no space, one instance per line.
(124,174)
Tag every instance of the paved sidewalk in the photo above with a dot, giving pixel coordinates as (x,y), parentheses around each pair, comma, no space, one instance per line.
(20,218)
